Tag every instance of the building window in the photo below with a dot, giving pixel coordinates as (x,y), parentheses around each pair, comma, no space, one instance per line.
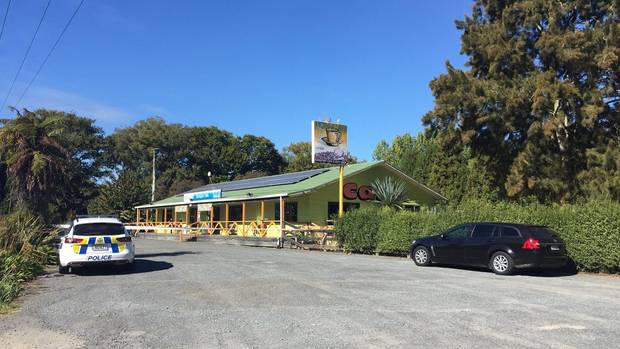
(413,208)
(235,213)
(290,211)
(332,209)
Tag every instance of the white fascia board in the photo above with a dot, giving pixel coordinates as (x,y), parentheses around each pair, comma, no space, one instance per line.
(214,201)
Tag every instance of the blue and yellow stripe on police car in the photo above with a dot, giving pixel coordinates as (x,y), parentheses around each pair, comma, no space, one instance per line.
(91,241)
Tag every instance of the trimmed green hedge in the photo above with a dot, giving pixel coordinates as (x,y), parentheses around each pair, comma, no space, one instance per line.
(357,230)
(591,229)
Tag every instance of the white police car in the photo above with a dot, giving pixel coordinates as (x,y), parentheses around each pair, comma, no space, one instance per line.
(95,240)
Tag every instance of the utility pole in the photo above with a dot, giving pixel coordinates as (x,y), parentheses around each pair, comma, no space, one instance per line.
(153,183)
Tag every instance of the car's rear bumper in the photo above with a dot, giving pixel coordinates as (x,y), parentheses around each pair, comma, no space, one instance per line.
(111,262)
(541,261)
(68,257)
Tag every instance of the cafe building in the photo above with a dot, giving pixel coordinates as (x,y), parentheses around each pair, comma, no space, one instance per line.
(269,206)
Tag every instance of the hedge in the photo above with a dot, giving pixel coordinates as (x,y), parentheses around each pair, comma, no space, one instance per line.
(357,230)
(590,229)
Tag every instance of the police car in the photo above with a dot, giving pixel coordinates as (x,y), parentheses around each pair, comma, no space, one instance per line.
(95,240)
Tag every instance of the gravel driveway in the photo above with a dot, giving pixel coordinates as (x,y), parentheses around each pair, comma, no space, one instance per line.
(184,294)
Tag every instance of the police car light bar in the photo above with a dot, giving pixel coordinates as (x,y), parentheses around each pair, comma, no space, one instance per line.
(96,216)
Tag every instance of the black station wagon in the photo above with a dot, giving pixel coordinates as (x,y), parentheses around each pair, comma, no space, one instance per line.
(501,247)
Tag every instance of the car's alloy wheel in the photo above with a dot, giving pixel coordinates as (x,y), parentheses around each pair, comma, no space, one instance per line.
(421,256)
(501,263)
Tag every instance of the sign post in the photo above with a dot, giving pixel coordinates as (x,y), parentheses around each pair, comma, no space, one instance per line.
(341,192)
(329,146)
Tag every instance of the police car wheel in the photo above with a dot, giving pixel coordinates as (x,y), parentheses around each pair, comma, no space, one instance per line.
(63,270)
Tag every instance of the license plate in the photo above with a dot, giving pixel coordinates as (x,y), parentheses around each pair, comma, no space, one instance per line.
(100,247)
(555,248)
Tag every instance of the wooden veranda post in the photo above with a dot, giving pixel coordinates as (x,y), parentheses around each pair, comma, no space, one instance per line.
(166,215)
(137,215)
(226,219)
(281,222)
(156,215)
(211,219)
(341,192)
(262,214)
(186,222)
(147,216)
(243,218)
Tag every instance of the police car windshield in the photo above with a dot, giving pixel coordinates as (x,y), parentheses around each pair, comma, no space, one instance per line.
(92,229)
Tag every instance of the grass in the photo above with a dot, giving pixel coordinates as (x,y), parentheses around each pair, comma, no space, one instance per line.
(9,308)
(24,251)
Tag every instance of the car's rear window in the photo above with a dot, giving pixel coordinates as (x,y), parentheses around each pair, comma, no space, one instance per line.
(542,232)
(92,229)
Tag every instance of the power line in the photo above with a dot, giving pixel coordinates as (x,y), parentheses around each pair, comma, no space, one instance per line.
(34,77)
(6,14)
(26,55)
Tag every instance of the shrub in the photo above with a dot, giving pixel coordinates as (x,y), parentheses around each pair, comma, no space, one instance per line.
(399,229)
(14,271)
(24,251)
(357,230)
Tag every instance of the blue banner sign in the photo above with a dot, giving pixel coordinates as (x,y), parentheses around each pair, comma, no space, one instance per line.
(205,195)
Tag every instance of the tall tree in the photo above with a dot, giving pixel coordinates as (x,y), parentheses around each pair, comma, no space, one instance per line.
(85,144)
(413,155)
(456,174)
(36,162)
(185,154)
(298,157)
(120,195)
(542,88)
(258,154)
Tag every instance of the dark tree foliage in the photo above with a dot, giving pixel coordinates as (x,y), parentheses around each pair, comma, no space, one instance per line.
(120,195)
(36,161)
(85,143)
(187,154)
(3,189)
(539,101)
(298,157)
(258,154)
(456,174)
(52,160)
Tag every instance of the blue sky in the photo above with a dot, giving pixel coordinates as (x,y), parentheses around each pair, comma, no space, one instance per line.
(259,67)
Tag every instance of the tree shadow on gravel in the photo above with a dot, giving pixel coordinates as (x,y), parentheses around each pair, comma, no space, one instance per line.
(139,266)
(165,254)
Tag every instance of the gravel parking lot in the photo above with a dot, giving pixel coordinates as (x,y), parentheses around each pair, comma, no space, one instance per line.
(204,295)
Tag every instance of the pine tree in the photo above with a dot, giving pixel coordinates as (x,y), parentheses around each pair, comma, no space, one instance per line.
(540,91)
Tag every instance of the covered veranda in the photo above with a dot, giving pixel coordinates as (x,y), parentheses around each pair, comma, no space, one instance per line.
(233,217)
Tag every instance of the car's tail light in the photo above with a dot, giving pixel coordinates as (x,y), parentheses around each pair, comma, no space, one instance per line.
(69,240)
(124,239)
(531,244)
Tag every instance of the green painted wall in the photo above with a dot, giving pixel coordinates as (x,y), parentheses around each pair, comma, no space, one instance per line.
(315,203)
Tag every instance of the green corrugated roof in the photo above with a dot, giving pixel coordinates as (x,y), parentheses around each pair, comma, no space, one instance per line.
(309,184)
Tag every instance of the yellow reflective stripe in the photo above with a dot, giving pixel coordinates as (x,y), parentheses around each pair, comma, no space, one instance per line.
(76,248)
